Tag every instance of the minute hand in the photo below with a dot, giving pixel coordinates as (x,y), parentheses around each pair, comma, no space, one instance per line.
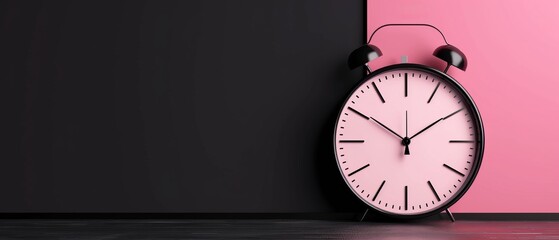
(440,119)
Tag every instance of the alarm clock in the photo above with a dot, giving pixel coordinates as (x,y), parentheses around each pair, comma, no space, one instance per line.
(409,138)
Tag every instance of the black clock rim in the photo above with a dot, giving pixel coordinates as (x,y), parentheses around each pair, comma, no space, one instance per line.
(479,130)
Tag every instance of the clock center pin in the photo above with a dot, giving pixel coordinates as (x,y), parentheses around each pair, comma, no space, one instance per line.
(406,141)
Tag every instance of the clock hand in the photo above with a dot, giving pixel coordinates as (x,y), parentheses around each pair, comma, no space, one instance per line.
(440,119)
(379,123)
(430,125)
(406,123)
(406,143)
(385,127)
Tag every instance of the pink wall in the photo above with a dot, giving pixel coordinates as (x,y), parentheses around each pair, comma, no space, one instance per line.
(513,75)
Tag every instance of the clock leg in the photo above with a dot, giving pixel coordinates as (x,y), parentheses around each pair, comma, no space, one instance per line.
(450,215)
(364,214)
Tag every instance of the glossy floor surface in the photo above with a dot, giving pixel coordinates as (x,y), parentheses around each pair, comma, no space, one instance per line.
(273,229)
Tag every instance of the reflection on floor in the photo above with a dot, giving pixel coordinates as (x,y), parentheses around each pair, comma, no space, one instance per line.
(274,229)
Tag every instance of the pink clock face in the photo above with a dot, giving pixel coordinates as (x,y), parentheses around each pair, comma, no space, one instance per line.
(407,141)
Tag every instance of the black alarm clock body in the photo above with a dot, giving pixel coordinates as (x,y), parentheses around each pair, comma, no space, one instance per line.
(409,139)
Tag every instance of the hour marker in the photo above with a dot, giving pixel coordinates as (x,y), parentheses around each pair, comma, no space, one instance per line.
(434,91)
(358,113)
(356,171)
(378,92)
(454,170)
(379,188)
(434,192)
(405,84)
(406,197)
(352,141)
(452,114)
(461,141)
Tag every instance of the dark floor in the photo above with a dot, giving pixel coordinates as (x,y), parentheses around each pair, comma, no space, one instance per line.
(274,229)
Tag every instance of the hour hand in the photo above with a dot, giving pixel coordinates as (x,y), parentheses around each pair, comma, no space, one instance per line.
(379,123)
(385,127)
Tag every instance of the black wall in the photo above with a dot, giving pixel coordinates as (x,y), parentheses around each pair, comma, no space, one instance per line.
(174,106)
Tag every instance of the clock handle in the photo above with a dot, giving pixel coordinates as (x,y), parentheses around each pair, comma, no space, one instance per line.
(407,25)
(368,52)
